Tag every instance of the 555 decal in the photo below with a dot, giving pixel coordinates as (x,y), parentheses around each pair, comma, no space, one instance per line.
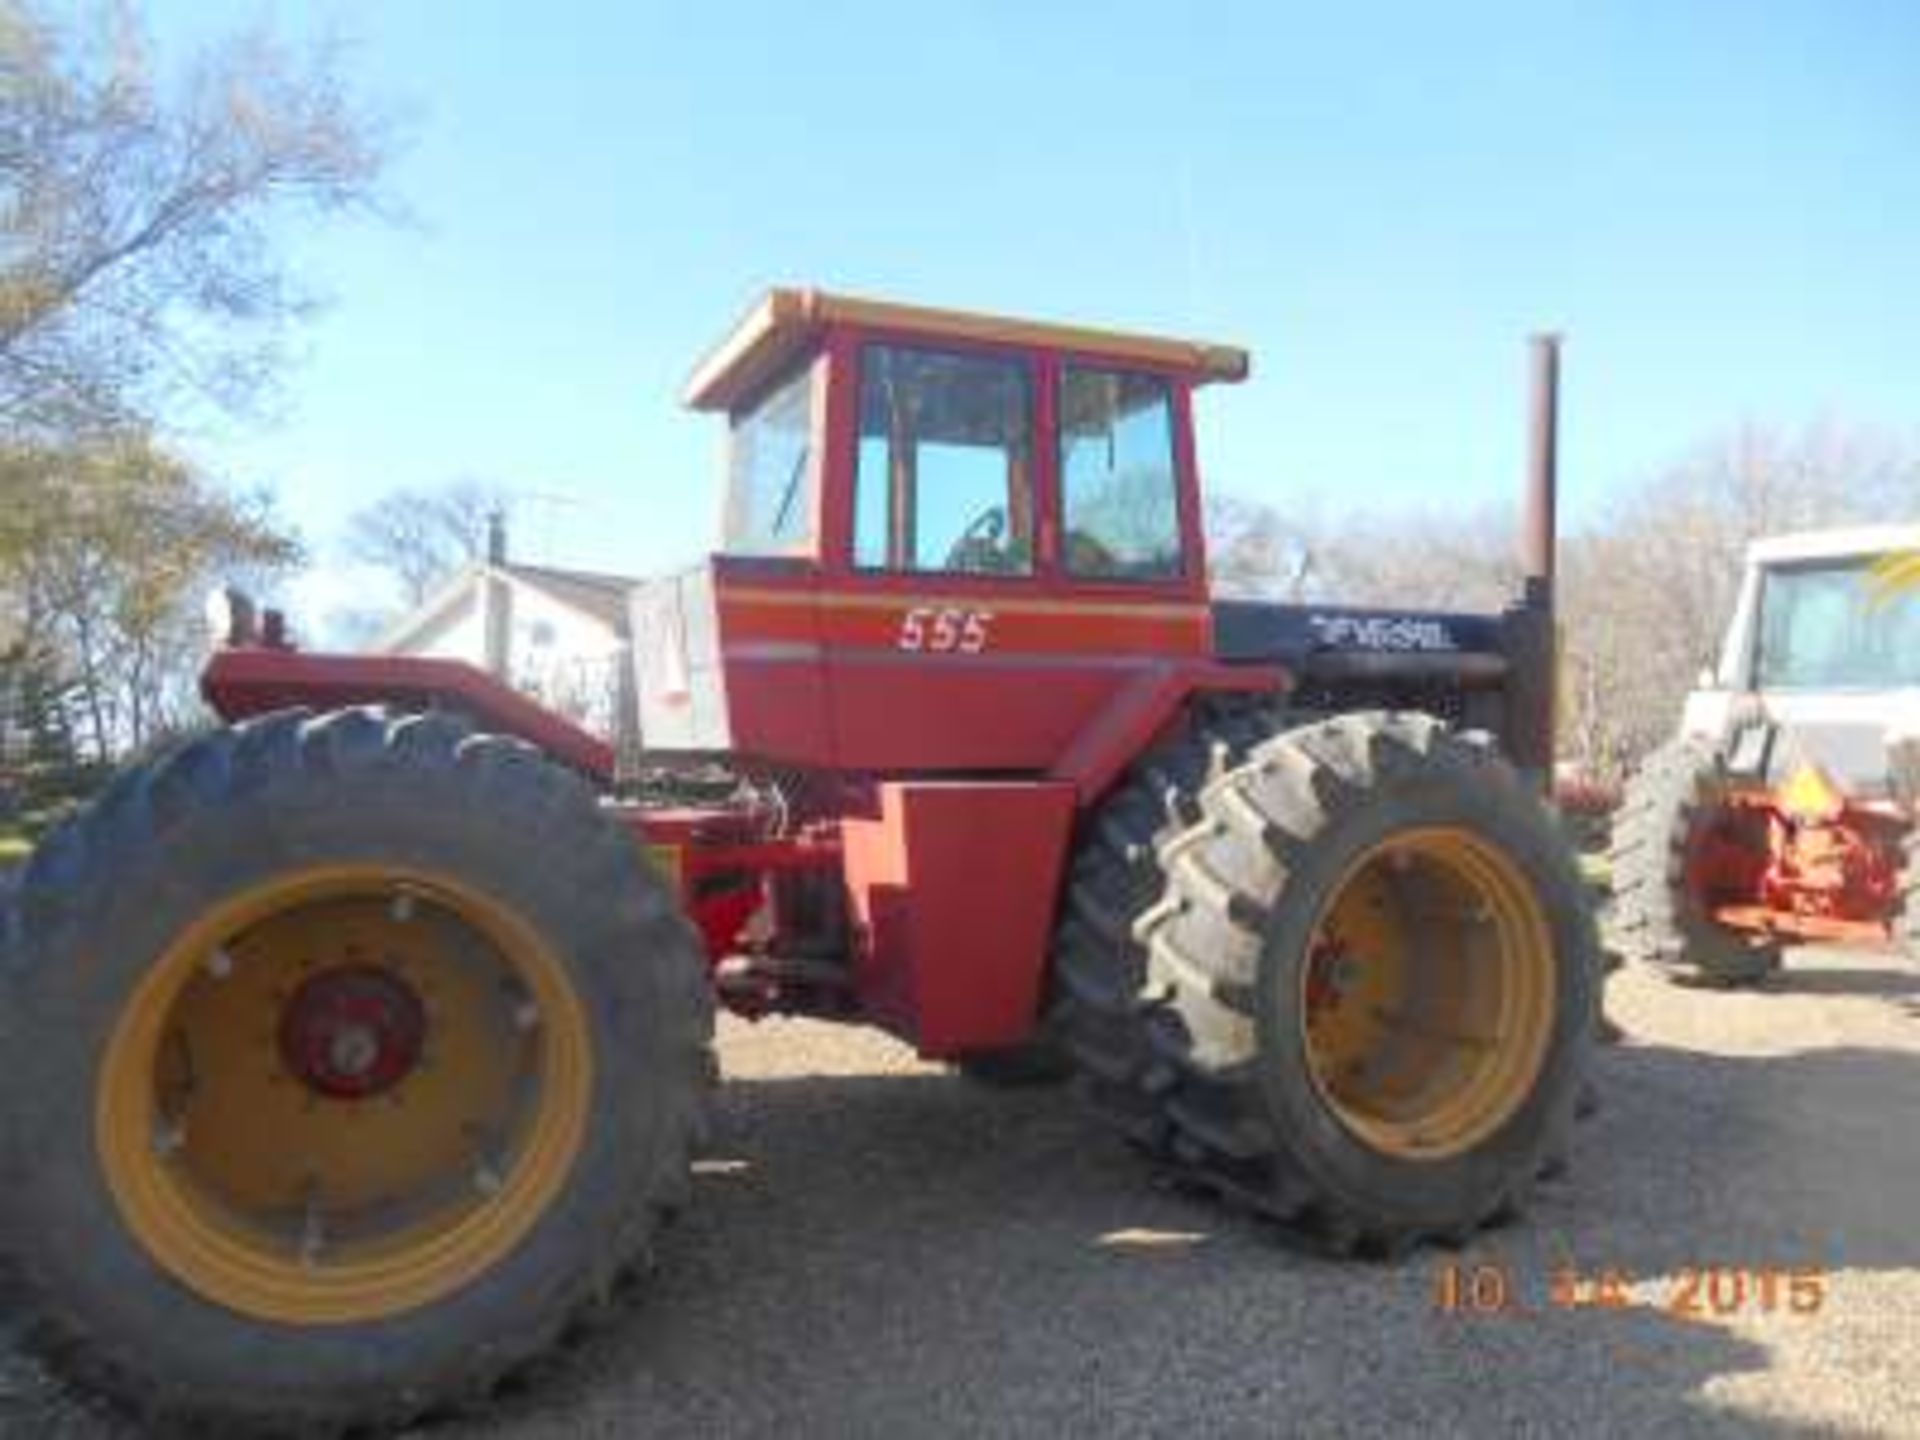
(945,630)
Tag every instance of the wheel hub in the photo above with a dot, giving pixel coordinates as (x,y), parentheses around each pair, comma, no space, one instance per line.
(344,1116)
(353,1033)
(1428,993)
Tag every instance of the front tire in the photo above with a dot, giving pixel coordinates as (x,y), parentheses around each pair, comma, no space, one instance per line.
(1377,980)
(356,1056)
(1657,918)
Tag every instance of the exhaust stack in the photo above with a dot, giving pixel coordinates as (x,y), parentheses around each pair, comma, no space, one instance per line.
(1538,538)
(1532,640)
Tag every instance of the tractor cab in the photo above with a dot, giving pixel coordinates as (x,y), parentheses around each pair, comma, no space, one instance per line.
(1821,662)
(949,541)
(884,439)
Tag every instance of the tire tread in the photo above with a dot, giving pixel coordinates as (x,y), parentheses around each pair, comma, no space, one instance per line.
(289,751)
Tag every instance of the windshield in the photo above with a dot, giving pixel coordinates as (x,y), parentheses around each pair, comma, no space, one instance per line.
(770,474)
(1824,626)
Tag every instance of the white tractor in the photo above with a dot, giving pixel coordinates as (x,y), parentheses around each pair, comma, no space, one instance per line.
(1785,809)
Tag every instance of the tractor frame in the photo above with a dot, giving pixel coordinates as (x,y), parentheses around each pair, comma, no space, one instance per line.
(907,744)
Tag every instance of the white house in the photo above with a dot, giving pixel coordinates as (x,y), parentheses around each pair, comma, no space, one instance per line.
(559,635)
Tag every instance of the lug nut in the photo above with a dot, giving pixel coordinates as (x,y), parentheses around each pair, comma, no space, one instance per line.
(313,1231)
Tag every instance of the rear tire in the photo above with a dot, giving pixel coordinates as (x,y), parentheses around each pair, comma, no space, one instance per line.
(1432,1108)
(1031,1066)
(1099,964)
(112,1293)
(1655,918)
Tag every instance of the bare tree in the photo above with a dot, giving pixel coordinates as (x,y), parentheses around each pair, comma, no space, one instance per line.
(1645,589)
(135,256)
(1427,559)
(1648,590)
(1256,553)
(420,536)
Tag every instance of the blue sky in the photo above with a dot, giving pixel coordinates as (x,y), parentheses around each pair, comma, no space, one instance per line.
(1718,203)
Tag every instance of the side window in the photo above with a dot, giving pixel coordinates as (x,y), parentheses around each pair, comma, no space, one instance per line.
(944,478)
(1117,476)
(770,474)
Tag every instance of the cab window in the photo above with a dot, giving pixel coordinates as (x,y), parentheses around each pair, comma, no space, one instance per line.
(771,473)
(944,475)
(1117,476)
(1824,626)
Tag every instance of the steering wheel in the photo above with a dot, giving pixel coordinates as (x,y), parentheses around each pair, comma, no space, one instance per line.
(1089,557)
(979,543)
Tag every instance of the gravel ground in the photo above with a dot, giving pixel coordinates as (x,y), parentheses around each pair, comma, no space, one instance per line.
(878,1248)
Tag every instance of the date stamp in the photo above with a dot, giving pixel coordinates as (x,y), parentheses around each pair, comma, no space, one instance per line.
(1690,1292)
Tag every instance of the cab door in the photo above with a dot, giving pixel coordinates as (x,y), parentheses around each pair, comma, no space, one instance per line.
(965,630)
(1130,564)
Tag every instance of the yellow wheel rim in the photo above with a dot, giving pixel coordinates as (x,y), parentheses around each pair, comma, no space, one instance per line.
(1428,998)
(343,1094)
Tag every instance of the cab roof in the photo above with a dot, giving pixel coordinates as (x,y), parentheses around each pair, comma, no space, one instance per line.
(786,321)
(1839,544)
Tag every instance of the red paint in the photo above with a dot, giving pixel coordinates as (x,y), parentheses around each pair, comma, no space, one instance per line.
(721,915)
(726,872)
(952,890)
(725,886)
(820,677)
(1839,869)
(1757,867)
(239,683)
(1138,712)
(353,1033)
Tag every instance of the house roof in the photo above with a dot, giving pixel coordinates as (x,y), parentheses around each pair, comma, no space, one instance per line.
(785,322)
(591,592)
(596,593)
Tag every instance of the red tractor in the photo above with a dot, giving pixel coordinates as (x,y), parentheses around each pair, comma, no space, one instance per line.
(361,1045)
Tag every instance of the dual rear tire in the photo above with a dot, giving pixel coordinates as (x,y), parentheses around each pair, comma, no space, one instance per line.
(1356,992)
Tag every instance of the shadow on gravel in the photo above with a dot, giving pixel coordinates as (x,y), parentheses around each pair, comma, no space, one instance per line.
(1868,971)
(1842,980)
(910,1254)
